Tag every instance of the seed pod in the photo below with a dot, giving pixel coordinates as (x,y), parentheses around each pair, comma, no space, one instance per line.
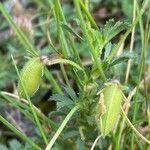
(30,77)
(108,108)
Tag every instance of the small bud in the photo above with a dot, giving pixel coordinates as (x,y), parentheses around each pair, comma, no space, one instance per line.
(31,75)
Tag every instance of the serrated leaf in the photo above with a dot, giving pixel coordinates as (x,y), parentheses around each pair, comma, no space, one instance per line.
(124,57)
(62,101)
(66,103)
(95,71)
(56,113)
(108,48)
(112,28)
(15,145)
(71,93)
(97,39)
(59,97)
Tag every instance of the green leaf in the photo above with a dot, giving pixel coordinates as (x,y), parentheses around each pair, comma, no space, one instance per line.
(59,98)
(70,134)
(112,28)
(15,145)
(127,8)
(62,101)
(124,57)
(80,144)
(96,37)
(106,65)
(66,103)
(71,93)
(3,147)
(108,48)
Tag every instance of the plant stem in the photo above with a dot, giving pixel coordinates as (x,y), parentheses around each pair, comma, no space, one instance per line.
(53,81)
(114,50)
(92,21)
(89,41)
(31,106)
(96,140)
(20,134)
(132,42)
(58,17)
(52,141)
(140,68)
(61,61)
(133,128)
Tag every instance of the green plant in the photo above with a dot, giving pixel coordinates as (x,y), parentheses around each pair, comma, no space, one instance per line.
(108,108)
(31,75)
(72,84)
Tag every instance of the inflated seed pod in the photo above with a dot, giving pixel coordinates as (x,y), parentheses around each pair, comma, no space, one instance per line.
(108,108)
(30,77)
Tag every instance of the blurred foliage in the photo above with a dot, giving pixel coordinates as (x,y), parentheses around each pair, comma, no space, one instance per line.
(59,92)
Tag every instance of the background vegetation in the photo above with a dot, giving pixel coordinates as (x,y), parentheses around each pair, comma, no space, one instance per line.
(83,45)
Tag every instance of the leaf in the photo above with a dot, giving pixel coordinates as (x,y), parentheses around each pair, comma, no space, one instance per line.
(56,113)
(106,65)
(69,29)
(59,98)
(71,93)
(3,147)
(15,145)
(80,144)
(62,101)
(108,48)
(112,28)
(127,8)
(124,57)
(65,103)
(97,39)
(70,134)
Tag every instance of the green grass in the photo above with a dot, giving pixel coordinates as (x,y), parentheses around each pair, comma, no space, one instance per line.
(80,58)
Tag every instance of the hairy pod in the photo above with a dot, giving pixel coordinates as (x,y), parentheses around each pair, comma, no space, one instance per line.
(30,77)
(108,108)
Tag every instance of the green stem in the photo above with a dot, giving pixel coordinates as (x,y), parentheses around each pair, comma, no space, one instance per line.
(93,23)
(89,41)
(52,141)
(31,106)
(141,66)
(62,61)
(96,140)
(133,128)
(76,53)
(114,50)
(18,133)
(51,79)
(58,16)
(65,75)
